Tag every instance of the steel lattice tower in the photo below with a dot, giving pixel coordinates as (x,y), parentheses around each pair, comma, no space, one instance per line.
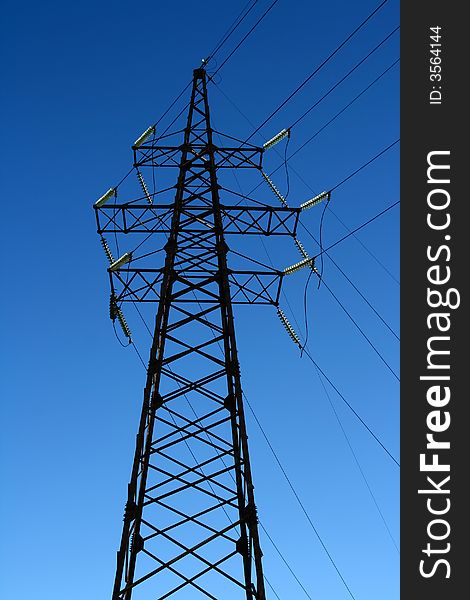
(190,524)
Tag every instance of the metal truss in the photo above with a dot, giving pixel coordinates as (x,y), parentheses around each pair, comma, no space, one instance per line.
(227,157)
(190,523)
(248,287)
(155,218)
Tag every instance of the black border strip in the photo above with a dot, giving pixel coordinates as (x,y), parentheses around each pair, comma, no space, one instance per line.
(428,128)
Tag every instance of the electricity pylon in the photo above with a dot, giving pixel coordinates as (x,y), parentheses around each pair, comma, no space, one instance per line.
(190,523)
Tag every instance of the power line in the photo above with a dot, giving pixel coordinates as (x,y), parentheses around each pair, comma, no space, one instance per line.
(317,69)
(305,349)
(307,352)
(330,557)
(272,589)
(379,354)
(301,504)
(382,212)
(245,37)
(362,295)
(357,461)
(219,45)
(361,331)
(371,254)
(348,279)
(348,105)
(303,180)
(238,21)
(270,260)
(279,463)
(210,77)
(341,182)
(356,66)
(365,165)
(284,471)
(333,563)
(355,172)
(360,419)
(173,103)
(284,560)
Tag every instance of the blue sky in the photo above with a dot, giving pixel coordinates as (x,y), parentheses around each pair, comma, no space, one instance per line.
(81,82)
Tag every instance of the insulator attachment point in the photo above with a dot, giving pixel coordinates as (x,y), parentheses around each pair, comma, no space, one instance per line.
(121,261)
(307,262)
(105,197)
(315,200)
(144,137)
(276,139)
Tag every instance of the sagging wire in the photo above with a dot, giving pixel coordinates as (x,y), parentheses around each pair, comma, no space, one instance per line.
(308,204)
(305,313)
(304,253)
(154,187)
(307,260)
(311,262)
(321,241)
(286,166)
(118,339)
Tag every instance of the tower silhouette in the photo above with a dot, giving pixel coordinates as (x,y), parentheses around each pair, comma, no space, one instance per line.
(190,524)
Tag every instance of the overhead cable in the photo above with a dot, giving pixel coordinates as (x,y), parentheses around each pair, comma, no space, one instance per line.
(356,460)
(315,71)
(299,501)
(312,360)
(270,7)
(233,27)
(356,66)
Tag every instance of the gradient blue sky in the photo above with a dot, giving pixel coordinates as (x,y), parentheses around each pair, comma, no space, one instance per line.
(80,82)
